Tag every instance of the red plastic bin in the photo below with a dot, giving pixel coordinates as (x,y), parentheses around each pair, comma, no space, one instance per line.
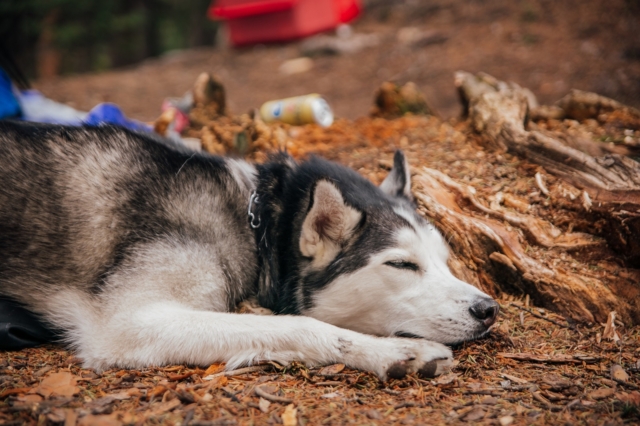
(264,21)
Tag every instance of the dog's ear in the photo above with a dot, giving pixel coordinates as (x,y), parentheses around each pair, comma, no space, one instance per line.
(329,222)
(398,182)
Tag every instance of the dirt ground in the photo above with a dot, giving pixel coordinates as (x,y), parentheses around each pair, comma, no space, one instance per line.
(537,366)
(533,369)
(549,47)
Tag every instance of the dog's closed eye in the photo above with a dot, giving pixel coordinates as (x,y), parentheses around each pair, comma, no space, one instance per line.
(401,264)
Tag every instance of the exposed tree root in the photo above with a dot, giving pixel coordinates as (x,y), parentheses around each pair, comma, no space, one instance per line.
(611,182)
(491,255)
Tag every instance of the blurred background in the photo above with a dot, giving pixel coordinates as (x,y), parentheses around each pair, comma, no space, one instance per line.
(135,53)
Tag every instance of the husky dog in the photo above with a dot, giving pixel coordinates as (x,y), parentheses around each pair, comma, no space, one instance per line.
(139,251)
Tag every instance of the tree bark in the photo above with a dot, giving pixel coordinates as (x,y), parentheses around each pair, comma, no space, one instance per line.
(611,183)
(490,255)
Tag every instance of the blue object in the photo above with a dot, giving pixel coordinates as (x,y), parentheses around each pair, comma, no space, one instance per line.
(40,109)
(108,113)
(9,106)
(31,105)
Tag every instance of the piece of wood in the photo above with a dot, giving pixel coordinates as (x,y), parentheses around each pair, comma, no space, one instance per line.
(271,397)
(491,256)
(499,111)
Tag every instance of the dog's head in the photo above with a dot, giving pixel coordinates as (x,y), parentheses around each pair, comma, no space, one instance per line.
(367,261)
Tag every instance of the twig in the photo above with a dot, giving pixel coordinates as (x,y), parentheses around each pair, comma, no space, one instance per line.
(627,384)
(330,376)
(178,377)
(546,402)
(406,405)
(274,398)
(237,372)
(484,392)
(544,318)
(230,394)
(188,417)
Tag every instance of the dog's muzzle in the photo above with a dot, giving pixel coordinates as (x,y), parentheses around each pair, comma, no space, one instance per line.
(486,311)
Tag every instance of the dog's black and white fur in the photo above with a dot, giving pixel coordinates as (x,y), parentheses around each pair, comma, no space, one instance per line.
(139,250)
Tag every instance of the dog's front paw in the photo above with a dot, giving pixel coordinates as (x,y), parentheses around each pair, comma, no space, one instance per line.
(427,359)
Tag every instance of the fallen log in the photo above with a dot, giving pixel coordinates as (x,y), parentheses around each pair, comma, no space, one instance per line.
(490,255)
(611,183)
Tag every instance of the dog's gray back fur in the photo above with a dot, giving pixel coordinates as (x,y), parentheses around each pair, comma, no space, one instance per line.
(76,204)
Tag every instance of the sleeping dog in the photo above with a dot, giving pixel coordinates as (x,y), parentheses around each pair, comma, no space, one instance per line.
(139,251)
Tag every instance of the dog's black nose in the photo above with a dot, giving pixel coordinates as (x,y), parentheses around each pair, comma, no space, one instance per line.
(486,310)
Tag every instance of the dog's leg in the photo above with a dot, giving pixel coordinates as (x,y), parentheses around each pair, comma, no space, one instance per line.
(165,333)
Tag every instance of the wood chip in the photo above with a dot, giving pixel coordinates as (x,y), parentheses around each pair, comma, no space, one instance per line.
(58,384)
(541,184)
(602,393)
(331,370)
(237,372)
(610,328)
(474,415)
(290,416)
(618,373)
(264,405)
(273,398)
(514,378)
(552,359)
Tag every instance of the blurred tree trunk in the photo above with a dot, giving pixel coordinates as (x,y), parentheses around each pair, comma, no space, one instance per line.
(48,58)
(199,33)
(152,46)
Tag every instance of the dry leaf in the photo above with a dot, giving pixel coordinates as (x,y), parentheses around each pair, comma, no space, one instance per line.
(618,373)
(504,328)
(556,382)
(58,384)
(506,420)
(264,405)
(29,398)
(290,416)
(514,378)
(632,398)
(610,328)
(474,415)
(42,371)
(330,370)
(165,406)
(71,417)
(331,395)
(489,400)
(602,393)
(213,369)
(102,420)
(373,414)
(57,415)
(447,379)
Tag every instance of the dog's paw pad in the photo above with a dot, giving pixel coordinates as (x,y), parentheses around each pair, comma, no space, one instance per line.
(397,370)
(428,370)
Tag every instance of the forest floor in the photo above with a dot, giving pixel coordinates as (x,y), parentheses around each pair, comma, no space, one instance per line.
(538,366)
(534,368)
